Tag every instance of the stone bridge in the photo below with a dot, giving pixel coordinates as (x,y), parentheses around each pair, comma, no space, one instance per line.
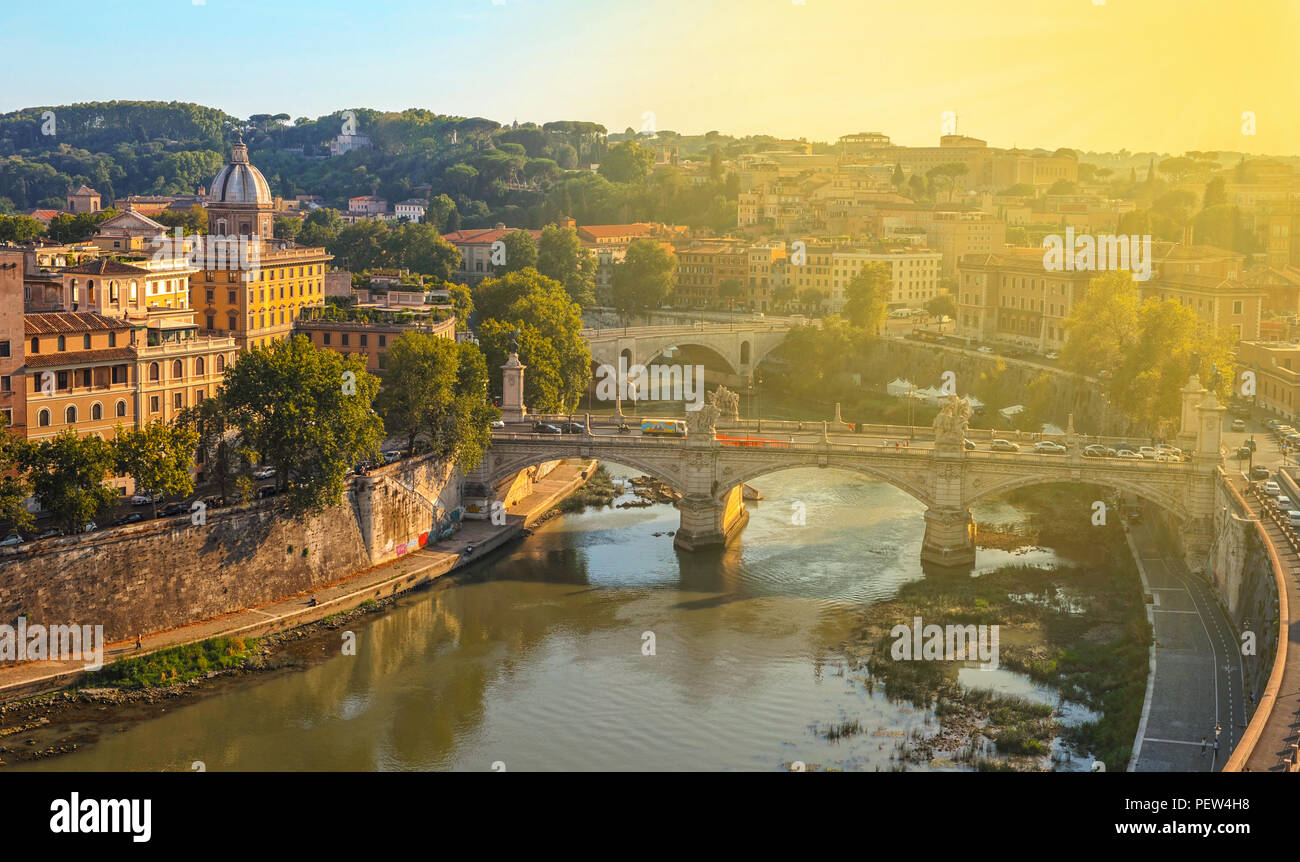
(943,476)
(740,345)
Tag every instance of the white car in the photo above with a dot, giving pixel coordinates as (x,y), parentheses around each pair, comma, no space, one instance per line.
(143,500)
(1167,457)
(1049,447)
(1052,356)
(1284,503)
(1293,517)
(1148,452)
(985,349)
(1272,488)
(1127,453)
(11,540)
(498,424)
(264,473)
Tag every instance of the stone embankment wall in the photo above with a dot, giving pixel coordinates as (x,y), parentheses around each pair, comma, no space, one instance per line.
(170,572)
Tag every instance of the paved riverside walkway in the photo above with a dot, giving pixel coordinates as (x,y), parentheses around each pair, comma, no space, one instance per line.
(404,573)
(1196,679)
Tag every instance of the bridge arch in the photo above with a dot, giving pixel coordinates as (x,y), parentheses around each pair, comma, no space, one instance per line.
(914,489)
(504,469)
(1169,499)
(725,363)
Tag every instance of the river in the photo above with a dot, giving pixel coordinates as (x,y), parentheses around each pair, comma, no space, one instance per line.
(537,658)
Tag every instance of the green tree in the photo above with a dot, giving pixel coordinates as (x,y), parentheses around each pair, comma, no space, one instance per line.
(225,457)
(307,412)
(19,228)
(158,457)
(1102,326)
(436,390)
(550,343)
(811,299)
(560,256)
(68,474)
(361,245)
(731,289)
(941,305)
(321,228)
(948,173)
(1215,193)
(14,487)
(287,227)
(628,162)
(866,297)
(520,252)
(644,278)
(462,303)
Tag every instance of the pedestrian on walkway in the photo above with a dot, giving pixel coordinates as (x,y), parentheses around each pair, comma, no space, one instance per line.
(137,641)
(1202,745)
(1216,748)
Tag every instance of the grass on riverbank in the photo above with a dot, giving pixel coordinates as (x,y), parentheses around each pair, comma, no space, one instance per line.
(175,665)
(598,492)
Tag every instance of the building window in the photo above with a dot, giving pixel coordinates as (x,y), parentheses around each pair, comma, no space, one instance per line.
(177,400)
(112,339)
(96,411)
(345,339)
(199,366)
(221,364)
(63,343)
(1236,307)
(70,415)
(178,370)
(4,348)
(43,419)
(364,339)
(153,404)
(153,371)
(121,408)
(325,338)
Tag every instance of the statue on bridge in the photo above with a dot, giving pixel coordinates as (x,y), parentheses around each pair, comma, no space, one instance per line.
(727,402)
(951,422)
(703,422)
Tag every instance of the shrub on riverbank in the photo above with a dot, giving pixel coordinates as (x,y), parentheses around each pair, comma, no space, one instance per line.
(597,492)
(175,665)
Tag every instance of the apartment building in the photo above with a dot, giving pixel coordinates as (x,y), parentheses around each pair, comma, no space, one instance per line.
(703,266)
(1008,297)
(914,275)
(372,339)
(957,234)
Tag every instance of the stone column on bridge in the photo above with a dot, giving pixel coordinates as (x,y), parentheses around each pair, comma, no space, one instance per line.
(512,390)
(1189,422)
(706,521)
(949,529)
(1197,535)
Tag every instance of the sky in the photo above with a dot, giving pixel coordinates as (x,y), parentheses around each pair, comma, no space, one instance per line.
(1158,75)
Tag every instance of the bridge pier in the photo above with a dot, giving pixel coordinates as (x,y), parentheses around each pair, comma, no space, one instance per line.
(707,522)
(949,538)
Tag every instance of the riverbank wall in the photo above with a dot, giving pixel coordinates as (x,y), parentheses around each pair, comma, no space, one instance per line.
(170,572)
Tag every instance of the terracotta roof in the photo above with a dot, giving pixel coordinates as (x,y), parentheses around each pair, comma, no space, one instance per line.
(45,214)
(479,236)
(85,190)
(597,231)
(63,322)
(106,266)
(80,357)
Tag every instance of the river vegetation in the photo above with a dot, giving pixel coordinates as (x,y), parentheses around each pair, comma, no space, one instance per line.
(1078,628)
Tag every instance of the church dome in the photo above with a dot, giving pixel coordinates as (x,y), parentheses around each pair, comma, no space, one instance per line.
(239,182)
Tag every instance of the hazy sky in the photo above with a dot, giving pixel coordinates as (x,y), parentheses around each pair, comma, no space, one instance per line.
(1165,75)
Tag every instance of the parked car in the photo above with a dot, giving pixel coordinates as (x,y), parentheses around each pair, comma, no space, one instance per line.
(1272,489)
(1167,457)
(392,456)
(1096,450)
(11,540)
(984,348)
(267,491)
(1243,452)
(1052,357)
(1293,518)
(1050,447)
(1284,503)
(968,445)
(133,518)
(573,428)
(47,534)
(264,473)
(90,527)
(145,499)
(544,428)
(498,424)
(171,510)
(1148,452)
(1238,424)
(1004,446)
(1126,453)
(1259,473)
